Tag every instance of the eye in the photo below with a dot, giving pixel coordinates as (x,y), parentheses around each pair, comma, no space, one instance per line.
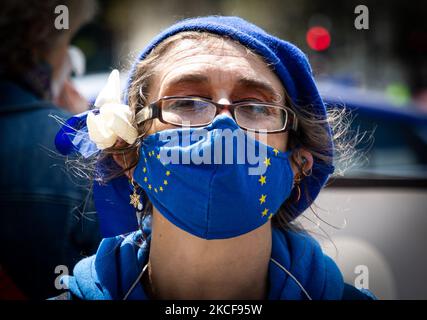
(255,109)
(258,110)
(183,106)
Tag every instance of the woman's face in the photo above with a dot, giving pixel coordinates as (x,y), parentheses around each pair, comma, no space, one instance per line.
(222,71)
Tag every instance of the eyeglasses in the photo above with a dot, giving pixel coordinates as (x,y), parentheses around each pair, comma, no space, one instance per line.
(200,112)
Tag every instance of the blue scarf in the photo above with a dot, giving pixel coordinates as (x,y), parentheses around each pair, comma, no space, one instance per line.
(115,268)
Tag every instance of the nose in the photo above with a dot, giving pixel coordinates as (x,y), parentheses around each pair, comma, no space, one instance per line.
(225,110)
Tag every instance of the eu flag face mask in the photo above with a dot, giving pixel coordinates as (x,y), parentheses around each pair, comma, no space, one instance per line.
(209,186)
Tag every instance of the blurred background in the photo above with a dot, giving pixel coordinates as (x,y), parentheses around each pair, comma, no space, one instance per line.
(389,56)
(373,216)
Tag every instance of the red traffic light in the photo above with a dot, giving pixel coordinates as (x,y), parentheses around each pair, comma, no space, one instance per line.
(318,38)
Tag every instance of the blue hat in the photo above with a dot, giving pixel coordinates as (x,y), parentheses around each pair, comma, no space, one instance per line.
(287,61)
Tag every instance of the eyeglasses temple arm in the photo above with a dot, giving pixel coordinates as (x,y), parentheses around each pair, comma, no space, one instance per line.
(146,113)
(295,123)
(294,119)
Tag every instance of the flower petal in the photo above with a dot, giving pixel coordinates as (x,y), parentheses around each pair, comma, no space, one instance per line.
(111,92)
(118,119)
(99,132)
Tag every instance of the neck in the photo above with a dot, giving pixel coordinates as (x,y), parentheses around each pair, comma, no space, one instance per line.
(182,266)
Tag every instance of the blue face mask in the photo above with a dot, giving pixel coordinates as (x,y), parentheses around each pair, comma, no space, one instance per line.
(198,186)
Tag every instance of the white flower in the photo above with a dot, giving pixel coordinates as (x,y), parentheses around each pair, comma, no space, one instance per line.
(114,118)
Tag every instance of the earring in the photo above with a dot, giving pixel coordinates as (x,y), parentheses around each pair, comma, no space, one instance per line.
(135,197)
(299,176)
(308,173)
(297,187)
(135,200)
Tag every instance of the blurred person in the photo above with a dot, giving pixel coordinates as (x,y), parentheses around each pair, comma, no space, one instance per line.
(41,225)
(207,230)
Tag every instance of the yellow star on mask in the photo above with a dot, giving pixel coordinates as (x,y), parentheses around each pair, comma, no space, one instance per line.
(155,190)
(145,179)
(270,216)
(264,213)
(161,188)
(134,199)
(262,199)
(267,162)
(144,170)
(149,186)
(165,182)
(275,151)
(168,173)
(158,156)
(145,159)
(262,180)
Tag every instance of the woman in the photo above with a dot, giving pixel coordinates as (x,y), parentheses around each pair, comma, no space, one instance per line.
(208,229)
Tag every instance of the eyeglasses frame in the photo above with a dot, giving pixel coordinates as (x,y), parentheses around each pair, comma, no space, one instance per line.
(154,110)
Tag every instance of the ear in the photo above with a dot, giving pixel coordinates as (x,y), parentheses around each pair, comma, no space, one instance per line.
(301,160)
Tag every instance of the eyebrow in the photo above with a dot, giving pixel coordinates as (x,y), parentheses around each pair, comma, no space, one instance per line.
(188,79)
(245,82)
(255,84)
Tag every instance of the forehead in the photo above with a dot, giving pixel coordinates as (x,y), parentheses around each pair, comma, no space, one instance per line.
(211,48)
(219,61)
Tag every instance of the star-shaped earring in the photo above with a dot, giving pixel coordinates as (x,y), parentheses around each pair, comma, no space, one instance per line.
(135,199)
